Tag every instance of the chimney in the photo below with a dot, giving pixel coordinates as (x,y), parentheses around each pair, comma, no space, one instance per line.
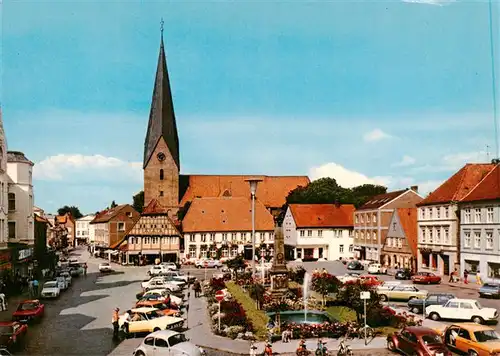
(414,188)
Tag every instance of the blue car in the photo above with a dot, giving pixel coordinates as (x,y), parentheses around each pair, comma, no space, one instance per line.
(490,290)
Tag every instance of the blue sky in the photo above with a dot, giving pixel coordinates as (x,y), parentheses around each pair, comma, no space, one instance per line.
(376,91)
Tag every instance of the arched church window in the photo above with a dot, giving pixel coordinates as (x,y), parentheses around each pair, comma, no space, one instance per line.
(161,174)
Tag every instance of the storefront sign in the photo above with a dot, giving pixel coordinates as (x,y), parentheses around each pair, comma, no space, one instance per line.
(25,254)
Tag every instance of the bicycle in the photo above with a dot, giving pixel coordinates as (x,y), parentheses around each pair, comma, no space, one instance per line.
(344,350)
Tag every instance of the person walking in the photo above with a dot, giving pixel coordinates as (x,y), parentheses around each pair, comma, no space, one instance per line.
(466,275)
(479,281)
(85,269)
(35,287)
(114,321)
(452,276)
(30,288)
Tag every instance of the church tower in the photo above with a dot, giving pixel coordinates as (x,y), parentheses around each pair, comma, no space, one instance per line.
(161,146)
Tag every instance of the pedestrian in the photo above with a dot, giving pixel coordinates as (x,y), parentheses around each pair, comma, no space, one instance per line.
(466,275)
(452,276)
(283,336)
(126,321)
(478,278)
(197,288)
(85,269)
(35,287)
(30,287)
(114,321)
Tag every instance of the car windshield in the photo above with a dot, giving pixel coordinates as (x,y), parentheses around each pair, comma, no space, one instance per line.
(176,339)
(431,339)
(153,314)
(27,306)
(50,285)
(486,335)
(478,306)
(488,285)
(6,330)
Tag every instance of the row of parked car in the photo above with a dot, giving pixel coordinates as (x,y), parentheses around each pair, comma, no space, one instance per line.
(63,279)
(158,314)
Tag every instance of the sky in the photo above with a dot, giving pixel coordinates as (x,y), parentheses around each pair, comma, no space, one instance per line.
(390,92)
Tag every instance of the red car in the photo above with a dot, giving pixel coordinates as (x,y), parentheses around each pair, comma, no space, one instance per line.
(426,278)
(29,310)
(12,334)
(417,340)
(370,280)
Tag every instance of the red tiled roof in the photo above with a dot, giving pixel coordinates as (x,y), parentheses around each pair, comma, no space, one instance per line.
(323,215)
(487,189)
(226,214)
(408,220)
(459,184)
(154,207)
(381,199)
(272,191)
(108,214)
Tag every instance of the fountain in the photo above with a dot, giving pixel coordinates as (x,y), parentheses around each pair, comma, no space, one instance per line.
(305,290)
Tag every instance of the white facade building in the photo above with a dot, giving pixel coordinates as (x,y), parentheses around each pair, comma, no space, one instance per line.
(320,231)
(83,229)
(20,198)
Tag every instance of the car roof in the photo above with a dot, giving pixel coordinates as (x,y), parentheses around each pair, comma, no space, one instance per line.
(472,326)
(163,333)
(462,300)
(420,330)
(142,310)
(30,301)
(53,281)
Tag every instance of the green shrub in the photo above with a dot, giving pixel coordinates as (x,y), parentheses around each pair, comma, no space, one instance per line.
(257,318)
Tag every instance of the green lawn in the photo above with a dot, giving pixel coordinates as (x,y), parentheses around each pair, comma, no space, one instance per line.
(341,313)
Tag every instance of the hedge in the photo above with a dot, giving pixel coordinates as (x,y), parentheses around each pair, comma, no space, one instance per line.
(257,317)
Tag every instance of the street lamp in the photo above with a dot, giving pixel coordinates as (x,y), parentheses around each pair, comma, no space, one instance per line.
(253,189)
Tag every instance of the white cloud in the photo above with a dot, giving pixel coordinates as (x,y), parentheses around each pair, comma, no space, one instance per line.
(344,177)
(78,168)
(453,162)
(405,162)
(376,135)
(427,187)
(430,2)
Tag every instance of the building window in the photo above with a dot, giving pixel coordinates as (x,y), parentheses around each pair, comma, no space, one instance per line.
(234,251)
(438,212)
(362,235)
(271,236)
(489,239)
(351,248)
(356,217)
(477,239)
(302,233)
(389,242)
(362,217)
(233,236)
(467,216)
(203,237)
(161,193)
(431,236)
(356,235)
(446,212)
(121,226)
(422,213)
(489,215)
(446,236)
(467,238)
(438,235)
(477,215)
(374,235)
(422,235)
(12,229)
(12,202)
(320,233)
(129,214)
(430,213)
(341,248)
(374,217)
(212,237)
(161,174)
(192,238)
(425,259)
(225,252)
(400,243)
(192,251)
(309,233)
(224,237)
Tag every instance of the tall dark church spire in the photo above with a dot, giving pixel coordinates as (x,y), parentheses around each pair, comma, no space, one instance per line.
(161,117)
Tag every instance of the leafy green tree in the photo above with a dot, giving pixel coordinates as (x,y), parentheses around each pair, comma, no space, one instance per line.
(324,284)
(138,201)
(236,263)
(350,295)
(113,205)
(73,210)
(257,292)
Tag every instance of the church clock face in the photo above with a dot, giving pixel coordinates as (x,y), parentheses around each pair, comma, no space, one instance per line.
(161,156)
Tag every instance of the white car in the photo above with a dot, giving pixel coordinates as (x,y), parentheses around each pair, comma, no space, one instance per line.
(208,264)
(169,265)
(164,294)
(105,267)
(377,268)
(157,270)
(62,283)
(141,320)
(176,275)
(50,290)
(462,309)
(160,283)
(67,277)
(167,343)
(348,277)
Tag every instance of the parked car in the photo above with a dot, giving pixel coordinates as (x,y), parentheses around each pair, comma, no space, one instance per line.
(157,270)
(472,339)
(163,307)
(67,277)
(12,334)
(348,277)
(62,283)
(490,290)
(417,340)
(462,309)
(208,264)
(355,266)
(50,290)
(376,268)
(180,276)
(161,283)
(370,280)
(167,343)
(403,274)
(425,278)
(161,294)
(105,267)
(417,305)
(146,320)
(29,310)
(169,265)
(400,292)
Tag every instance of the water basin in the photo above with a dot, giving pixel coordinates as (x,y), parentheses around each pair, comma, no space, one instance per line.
(298,317)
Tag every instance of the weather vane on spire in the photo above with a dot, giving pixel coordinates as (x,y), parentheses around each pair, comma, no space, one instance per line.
(161,26)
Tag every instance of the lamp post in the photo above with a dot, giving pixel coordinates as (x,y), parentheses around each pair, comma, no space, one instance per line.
(253,189)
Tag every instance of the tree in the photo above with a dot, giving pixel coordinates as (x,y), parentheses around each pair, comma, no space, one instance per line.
(73,210)
(257,292)
(138,201)
(236,264)
(183,211)
(350,295)
(113,205)
(324,284)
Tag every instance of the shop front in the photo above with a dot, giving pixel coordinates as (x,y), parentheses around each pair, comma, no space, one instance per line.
(5,262)
(22,261)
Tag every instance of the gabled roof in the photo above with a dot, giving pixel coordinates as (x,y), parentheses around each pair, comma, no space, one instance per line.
(381,199)
(458,185)
(161,116)
(322,215)
(108,214)
(154,208)
(63,219)
(41,219)
(226,214)
(487,189)
(272,191)
(408,219)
